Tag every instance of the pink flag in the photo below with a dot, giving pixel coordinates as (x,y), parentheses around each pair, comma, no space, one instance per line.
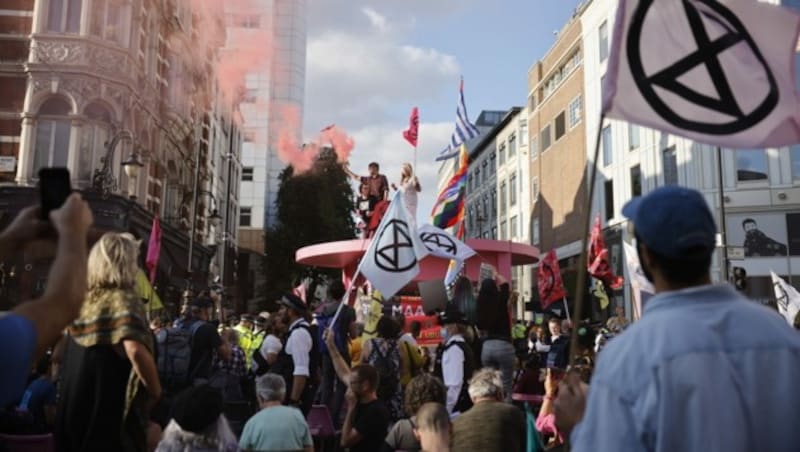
(412,132)
(153,249)
(719,72)
(300,291)
(599,264)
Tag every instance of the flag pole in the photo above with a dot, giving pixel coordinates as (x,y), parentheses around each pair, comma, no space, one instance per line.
(566,308)
(582,262)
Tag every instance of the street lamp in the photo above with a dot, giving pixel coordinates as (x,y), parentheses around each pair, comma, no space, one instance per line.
(103,179)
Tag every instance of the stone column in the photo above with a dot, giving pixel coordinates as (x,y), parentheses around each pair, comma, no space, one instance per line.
(26,150)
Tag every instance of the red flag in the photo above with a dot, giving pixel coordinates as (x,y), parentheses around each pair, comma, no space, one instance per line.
(153,249)
(598,264)
(551,287)
(413,127)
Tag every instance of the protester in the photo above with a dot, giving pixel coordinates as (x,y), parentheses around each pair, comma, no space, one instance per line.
(434,428)
(108,375)
(377,183)
(270,347)
(367,419)
(687,376)
(201,341)
(383,353)
(546,421)
(558,350)
(409,187)
(198,424)
(494,324)
(490,425)
(419,391)
(38,404)
(411,359)
(529,381)
(332,389)
(619,322)
(297,361)
(247,339)
(33,326)
(365,205)
(275,427)
(227,375)
(454,362)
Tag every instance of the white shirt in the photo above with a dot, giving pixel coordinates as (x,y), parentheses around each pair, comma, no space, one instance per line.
(409,189)
(270,345)
(453,371)
(298,345)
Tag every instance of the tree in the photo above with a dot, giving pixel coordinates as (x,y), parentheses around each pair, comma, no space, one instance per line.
(313,207)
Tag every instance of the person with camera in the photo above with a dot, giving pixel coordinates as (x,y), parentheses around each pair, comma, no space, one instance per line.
(35,325)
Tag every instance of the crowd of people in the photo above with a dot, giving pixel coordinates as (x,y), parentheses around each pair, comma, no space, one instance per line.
(372,198)
(89,366)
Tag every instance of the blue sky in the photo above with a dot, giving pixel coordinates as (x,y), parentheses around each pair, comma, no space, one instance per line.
(370,61)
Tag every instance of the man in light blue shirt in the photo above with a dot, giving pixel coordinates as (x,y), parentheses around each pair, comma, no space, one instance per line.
(704,369)
(275,427)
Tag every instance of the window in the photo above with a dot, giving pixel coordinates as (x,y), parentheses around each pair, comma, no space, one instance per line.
(503,230)
(575,112)
(534,148)
(64,16)
(249,135)
(486,205)
(512,146)
(51,147)
(608,151)
(603,34)
(469,183)
(513,232)
(751,165)
(633,136)
(494,232)
(670,161)
(609,198)
(532,102)
(503,198)
(493,163)
(502,153)
(245,216)
(512,189)
(494,203)
(523,132)
(636,180)
(535,231)
(247,173)
(794,153)
(94,134)
(560,125)
(545,137)
(535,189)
(250,96)
(243,20)
(107,21)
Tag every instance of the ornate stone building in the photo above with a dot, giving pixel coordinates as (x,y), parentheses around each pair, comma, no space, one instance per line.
(124,94)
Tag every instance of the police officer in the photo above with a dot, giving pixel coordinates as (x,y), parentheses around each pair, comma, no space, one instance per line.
(455,360)
(298,361)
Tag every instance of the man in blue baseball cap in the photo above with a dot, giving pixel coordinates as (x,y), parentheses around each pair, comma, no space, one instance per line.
(689,375)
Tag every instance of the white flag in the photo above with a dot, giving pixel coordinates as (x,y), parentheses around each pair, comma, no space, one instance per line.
(641,288)
(716,71)
(392,259)
(787,297)
(443,244)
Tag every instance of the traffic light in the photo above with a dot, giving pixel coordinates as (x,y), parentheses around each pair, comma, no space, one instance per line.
(739,278)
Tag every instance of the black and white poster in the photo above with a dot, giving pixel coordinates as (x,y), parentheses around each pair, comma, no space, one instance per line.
(761,235)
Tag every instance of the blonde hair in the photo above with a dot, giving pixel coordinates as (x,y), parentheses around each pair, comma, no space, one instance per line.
(113,262)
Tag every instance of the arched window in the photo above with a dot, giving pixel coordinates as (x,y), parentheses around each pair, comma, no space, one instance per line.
(96,131)
(64,16)
(51,146)
(109,21)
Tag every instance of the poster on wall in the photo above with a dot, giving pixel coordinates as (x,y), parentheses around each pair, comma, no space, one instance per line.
(761,235)
(793,229)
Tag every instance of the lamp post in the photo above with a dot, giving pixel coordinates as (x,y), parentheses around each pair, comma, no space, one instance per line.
(103,179)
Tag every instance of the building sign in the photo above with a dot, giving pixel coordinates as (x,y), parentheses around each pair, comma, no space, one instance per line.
(761,235)
(8,164)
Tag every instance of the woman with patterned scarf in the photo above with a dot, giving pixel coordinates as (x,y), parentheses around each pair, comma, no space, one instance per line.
(109,377)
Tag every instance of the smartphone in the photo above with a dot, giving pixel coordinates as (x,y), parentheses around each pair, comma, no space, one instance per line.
(54,188)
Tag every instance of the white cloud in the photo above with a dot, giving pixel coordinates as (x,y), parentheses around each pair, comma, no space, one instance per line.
(377,19)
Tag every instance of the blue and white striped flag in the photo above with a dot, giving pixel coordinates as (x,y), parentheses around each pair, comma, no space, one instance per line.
(465,130)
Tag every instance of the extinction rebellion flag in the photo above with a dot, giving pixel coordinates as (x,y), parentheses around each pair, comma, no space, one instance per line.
(550,285)
(716,71)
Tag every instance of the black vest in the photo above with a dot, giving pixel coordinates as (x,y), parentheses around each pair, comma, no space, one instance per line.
(284,365)
(464,401)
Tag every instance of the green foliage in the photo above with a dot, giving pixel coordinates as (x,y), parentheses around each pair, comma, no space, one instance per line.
(313,207)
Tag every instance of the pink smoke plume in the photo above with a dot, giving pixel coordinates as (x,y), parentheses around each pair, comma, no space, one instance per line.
(302,156)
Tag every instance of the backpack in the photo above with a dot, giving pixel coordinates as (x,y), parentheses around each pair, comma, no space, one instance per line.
(388,369)
(175,354)
(339,333)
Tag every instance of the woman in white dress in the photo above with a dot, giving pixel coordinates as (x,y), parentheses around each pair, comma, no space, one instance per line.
(409,185)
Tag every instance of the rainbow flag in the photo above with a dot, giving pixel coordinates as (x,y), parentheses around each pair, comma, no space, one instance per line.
(449,207)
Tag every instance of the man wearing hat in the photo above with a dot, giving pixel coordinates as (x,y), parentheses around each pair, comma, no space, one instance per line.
(455,360)
(704,368)
(297,362)
(247,340)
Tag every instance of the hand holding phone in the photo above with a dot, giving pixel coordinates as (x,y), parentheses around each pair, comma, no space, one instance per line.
(54,188)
